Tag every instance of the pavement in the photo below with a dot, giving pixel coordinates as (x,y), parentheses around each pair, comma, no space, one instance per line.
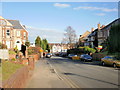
(44,76)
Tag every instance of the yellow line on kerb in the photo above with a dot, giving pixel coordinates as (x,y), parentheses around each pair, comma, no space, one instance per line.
(64,77)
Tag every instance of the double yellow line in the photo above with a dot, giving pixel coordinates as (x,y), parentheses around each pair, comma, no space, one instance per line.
(65,78)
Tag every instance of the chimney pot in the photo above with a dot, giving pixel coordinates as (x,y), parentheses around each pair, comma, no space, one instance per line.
(98,25)
(92,29)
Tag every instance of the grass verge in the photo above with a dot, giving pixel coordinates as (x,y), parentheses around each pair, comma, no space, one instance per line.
(8,68)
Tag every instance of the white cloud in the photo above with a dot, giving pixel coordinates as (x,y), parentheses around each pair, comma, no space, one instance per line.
(51,35)
(100,14)
(97,8)
(61,5)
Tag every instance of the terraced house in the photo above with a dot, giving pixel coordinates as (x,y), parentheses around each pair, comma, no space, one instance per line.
(12,33)
(103,33)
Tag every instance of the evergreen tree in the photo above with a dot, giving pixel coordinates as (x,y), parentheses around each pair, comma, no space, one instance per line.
(27,43)
(114,39)
(38,41)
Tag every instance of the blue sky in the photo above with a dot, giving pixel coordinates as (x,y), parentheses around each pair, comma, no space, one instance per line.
(50,19)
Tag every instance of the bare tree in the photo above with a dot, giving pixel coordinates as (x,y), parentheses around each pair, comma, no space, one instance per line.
(70,36)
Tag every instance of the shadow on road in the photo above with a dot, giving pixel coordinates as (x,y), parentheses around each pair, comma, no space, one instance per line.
(90,78)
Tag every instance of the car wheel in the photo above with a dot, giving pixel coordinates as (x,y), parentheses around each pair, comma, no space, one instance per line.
(84,60)
(114,65)
(103,64)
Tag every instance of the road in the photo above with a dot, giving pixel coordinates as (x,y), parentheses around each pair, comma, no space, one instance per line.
(79,74)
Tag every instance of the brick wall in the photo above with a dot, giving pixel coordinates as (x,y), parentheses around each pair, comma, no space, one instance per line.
(36,57)
(97,56)
(21,76)
(18,79)
(11,56)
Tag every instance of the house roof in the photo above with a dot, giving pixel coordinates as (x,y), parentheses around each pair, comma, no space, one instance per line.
(111,23)
(16,24)
(93,33)
(85,34)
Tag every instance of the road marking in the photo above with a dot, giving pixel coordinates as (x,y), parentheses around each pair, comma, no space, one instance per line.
(64,78)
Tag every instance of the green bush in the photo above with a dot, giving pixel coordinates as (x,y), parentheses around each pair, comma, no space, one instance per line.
(81,50)
(30,51)
(12,52)
(13,59)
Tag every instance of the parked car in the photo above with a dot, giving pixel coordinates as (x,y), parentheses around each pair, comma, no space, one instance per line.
(71,55)
(110,60)
(48,55)
(85,57)
(63,54)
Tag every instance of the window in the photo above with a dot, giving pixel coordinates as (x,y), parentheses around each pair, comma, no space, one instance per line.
(18,33)
(8,32)
(24,34)
(18,41)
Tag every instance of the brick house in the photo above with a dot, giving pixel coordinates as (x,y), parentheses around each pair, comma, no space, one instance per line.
(92,39)
(103,33)
(83,39)
(12,33)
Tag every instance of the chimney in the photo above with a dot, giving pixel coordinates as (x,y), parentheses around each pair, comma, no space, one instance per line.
(98,26)
(103,26)
(92,29)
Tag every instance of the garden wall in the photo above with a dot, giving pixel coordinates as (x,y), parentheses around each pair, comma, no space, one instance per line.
(97,56)
(21,76)
(36,57)
(18,79)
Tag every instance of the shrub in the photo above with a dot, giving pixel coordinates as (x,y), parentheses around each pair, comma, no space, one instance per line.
(12,52)
(13,59)
(3,46)
(30,51)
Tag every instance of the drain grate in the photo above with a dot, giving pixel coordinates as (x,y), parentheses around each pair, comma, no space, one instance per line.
(52,70)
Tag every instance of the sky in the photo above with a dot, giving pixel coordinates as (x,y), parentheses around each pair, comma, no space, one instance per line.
(50,19)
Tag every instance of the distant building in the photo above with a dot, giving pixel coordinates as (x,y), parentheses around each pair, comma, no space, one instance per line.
(32,44)
(12,33)
(58,47)
(103,33)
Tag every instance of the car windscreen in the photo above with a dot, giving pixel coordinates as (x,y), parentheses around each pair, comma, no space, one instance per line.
(87,56)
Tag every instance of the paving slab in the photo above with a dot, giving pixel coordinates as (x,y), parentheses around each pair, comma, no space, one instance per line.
(44,76)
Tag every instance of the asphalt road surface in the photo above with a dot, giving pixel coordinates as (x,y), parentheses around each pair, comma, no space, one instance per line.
(78,74)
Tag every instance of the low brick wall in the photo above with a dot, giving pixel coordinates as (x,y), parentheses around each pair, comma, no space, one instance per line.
(11,56)
(25,61)
(21,76)
(36,57)
(97,56)
(18,79)
(31,63)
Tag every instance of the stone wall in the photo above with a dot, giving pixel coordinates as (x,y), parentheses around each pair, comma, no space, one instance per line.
(4,54)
